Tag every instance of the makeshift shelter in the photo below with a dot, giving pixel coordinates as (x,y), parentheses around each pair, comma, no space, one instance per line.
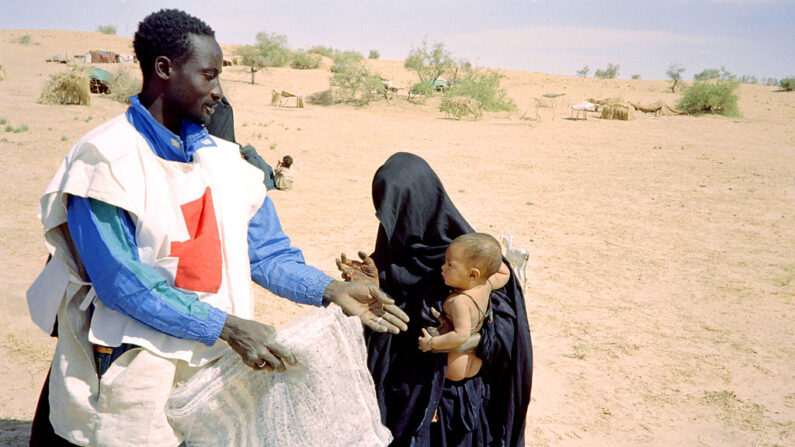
(99,80)
(623,112)
(657,108)
(58,58)
(103,57)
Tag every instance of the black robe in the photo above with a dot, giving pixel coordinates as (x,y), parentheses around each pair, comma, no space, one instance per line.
(417,223)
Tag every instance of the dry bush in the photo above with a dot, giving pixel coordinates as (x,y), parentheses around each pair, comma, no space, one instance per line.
(323,98)
(70,87)
(3,73)
(461,106)
(125,83)
(622,112)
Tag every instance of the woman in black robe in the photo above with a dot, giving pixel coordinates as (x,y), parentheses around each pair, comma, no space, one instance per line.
(417,223)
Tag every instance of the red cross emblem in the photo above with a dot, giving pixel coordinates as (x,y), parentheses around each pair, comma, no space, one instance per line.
(200,261)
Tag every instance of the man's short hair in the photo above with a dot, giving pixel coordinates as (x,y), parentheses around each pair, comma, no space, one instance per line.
(481,251)
(287,161)
(166,33)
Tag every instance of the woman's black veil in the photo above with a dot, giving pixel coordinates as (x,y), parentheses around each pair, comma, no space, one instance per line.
(418,221)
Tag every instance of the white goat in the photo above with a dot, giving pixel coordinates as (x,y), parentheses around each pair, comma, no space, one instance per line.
(517,257)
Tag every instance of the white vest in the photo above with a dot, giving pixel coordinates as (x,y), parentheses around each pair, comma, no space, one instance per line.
(114,164)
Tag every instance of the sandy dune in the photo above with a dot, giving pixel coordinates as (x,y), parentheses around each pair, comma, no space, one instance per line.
(660,289)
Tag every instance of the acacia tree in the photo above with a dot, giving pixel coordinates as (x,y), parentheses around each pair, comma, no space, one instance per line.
(270,51)
(429,61)
(608,73)
(274,48)
(583,72)
(252,57)
(675,73)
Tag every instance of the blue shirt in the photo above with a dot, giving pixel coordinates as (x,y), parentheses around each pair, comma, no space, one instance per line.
(104,236)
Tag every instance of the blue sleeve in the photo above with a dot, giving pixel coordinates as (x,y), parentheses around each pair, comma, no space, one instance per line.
(279,267)
(105,239)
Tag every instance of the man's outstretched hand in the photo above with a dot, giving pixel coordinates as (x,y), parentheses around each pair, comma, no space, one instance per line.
(366,301)
(363,271)
(256,344)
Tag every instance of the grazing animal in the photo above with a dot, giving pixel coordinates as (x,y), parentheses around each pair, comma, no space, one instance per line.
(517,257)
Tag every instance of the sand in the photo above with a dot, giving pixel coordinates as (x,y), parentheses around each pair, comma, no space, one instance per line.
(662,250)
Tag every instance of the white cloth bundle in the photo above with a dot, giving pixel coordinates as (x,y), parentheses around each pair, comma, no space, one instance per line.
(327,398)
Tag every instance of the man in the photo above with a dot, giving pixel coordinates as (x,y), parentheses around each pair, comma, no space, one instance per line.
(156,230)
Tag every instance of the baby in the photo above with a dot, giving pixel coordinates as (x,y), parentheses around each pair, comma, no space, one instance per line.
(473,268)
(282,175)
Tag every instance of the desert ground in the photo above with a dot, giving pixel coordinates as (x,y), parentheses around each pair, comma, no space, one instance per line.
(662,250)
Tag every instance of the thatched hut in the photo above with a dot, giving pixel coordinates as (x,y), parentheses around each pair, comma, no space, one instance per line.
(70,87)
(623,112)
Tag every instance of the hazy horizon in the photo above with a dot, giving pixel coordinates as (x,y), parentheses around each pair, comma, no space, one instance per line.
(748,37)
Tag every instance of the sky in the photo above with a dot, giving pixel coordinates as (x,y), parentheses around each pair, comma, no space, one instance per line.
(748,37)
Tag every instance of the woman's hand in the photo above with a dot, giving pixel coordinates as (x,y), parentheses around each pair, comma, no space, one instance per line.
(363,271)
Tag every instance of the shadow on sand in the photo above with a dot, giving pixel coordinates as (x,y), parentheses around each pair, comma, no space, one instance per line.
(14,433)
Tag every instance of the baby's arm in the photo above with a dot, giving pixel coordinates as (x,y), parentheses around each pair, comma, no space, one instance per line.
(500,278)
(458,310)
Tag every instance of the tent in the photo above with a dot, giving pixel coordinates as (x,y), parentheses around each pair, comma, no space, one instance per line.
(99,80)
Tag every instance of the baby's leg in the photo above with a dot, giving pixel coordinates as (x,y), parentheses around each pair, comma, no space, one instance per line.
(456,366)
(462,366)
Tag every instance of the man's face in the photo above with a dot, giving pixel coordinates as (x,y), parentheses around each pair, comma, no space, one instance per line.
(194,88)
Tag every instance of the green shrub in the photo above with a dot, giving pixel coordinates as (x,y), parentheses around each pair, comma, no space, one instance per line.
(583,72)
(608,73)
(355,84)
(787,83)
(374,54)
(125,83)
(707,74)
(429,61)
(24,40)
(716,97)
(344,58)
(305,61)
(107,29)
(636,76)
(321,50)
(485,88)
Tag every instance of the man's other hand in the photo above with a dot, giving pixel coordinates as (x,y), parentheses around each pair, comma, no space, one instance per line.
(376,310)
(256,344)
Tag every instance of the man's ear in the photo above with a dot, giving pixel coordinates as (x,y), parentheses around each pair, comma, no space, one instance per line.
(163,68)
(474,273)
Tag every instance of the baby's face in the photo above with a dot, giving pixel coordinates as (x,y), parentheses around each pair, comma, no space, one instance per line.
(455,271)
